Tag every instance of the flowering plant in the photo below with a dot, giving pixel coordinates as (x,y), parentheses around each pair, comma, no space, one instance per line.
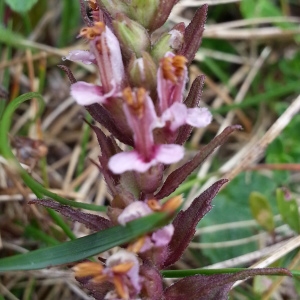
(139,101)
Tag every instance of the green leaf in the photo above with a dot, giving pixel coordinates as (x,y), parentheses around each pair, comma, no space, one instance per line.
(84,247)
(231,205)
(259,8)
(20,6)
(288,210)
(261,211)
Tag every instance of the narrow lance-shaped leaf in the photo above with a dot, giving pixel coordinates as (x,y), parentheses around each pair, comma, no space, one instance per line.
(191,101)
(186,222)
(180,174)
(84,247)
(214,287)
(91,221)
(193,34)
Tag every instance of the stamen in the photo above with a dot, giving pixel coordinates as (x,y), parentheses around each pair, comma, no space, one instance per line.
(154,204)
(137,245)
(135,100)
(173,67)
(120,288)
(88,269)
(172,204)
(91,32)
(100,278)
(93,5)
(122,268)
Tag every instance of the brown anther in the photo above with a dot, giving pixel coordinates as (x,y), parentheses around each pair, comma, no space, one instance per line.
(135,100)
(167,69)
(154,204)
(122,268)
(173,67)
(179,63)
(127,95)
(93,5)
(91,32)
(88,269)
(137,245)
(172,204)
(120,288)
(100,278)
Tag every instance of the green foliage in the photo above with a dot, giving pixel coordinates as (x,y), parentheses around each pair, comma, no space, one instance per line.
(21,6)
(232,205)
(83,247)
(288,210)
(261,211)
(259,9)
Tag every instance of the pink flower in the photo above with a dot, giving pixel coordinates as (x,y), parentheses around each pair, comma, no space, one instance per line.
(134,211)
(171,80)
(141,117)
(178,114)
(106,54)
(124,257)
(159,238)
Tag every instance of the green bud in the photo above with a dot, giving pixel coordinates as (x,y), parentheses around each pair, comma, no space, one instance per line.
(142,72)
(151,14)
(142,11)
(132,36)
(168,42)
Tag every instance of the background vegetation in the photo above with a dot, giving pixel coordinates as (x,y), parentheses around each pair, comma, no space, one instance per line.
(251,58)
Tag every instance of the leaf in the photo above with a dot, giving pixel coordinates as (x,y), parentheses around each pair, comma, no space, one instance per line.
(259,9)
(288,210)
(262,211)
(193,34)
(20,7)
(179,175)
(84,247)
(91,221)
(232,206)
(200,287)
(186,222)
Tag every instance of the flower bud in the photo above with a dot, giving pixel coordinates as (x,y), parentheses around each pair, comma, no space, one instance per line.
(142,72)
(168,42)
(132,36)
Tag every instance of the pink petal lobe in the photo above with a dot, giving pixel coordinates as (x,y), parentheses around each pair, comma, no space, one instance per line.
(87,93)
(163,236)
(169,154)
(83,56)
(134,211)
(176,115)
(128,161)
(198,117)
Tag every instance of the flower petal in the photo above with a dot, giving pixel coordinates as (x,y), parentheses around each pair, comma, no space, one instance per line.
(163,236)
(176,116)
(198,117)
(123,256)
(83,56)
(87,93)
(169,154)
(134,211)
(128,161)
